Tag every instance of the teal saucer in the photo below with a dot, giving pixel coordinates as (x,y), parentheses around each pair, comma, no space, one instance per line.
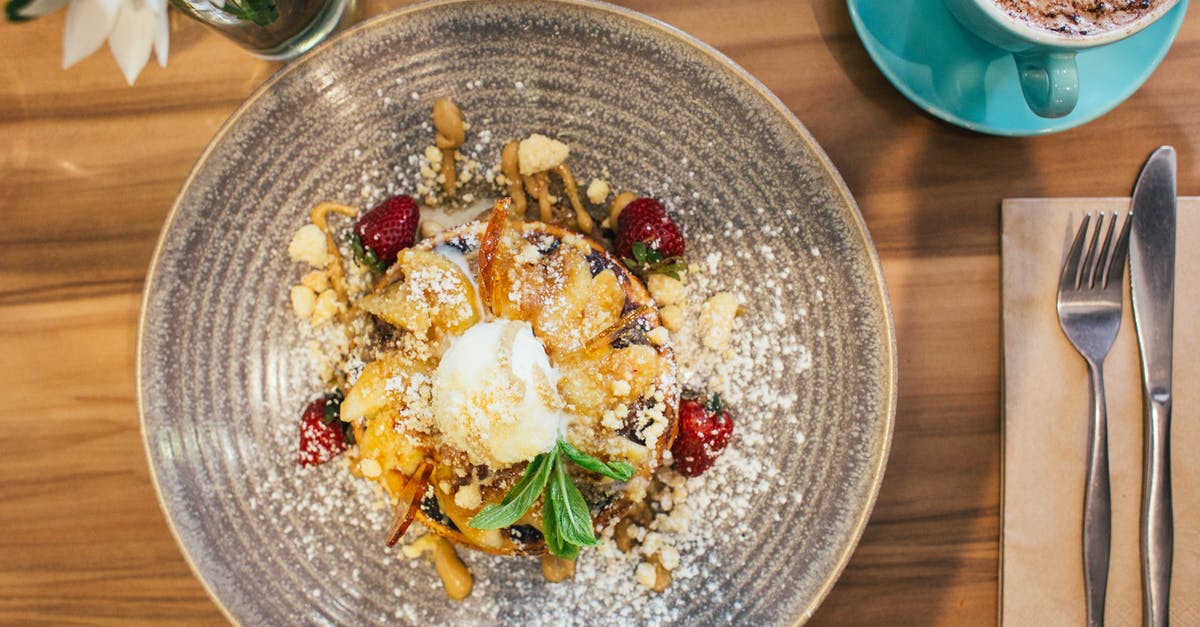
(954,75)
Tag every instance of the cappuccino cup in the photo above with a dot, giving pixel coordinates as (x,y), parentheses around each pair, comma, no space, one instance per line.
(1045,35)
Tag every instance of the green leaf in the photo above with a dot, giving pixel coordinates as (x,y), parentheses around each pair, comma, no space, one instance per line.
(364,255)
(647,260)
(714,404)
(333,406)
(554,540)
(261,12)
(645,254)
(673,270)
(621,471)
(572,520)
(12,10)
(520,498)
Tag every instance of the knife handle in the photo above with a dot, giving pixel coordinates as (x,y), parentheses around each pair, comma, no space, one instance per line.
(1097,503)
(1158,534)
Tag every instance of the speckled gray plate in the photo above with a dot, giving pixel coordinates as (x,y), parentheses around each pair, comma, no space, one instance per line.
(223,369)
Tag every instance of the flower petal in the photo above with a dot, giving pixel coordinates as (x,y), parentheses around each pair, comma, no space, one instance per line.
(88,24)
(162,37)
(132,37)
(111,7)
(38,8)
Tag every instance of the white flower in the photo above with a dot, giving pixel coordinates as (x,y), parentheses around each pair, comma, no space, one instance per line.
(132,28)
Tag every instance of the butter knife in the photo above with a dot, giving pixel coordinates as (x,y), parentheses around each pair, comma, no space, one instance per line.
(1152,281)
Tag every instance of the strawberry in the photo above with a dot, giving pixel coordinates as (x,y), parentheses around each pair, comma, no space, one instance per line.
(321,435)
(645,220)
(705,428)
(386,230)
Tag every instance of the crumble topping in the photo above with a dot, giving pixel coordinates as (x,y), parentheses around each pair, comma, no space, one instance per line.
(597,191)
(539,153)
(308,246)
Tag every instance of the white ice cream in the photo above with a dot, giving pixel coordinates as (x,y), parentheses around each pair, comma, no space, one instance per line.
(495,394)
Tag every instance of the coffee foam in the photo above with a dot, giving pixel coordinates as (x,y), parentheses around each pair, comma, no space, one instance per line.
(1078,17)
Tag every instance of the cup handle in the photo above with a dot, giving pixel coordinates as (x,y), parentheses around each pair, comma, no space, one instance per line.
(1049,80)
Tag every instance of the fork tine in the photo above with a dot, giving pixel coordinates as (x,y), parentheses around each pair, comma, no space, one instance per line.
(1116,261)
(1069,279)
(1099,271)
(1094,256)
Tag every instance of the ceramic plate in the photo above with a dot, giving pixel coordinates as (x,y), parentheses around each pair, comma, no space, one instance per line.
(224,368)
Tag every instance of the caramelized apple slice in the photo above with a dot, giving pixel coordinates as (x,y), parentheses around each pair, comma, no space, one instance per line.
(597,381)
(434,294)
(555,291)
(580,307)
(382,384)
(383,419)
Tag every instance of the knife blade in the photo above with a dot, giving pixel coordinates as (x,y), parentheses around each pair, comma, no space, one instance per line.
(1152,282)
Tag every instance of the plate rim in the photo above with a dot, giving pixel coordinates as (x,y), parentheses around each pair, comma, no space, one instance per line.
(879,458)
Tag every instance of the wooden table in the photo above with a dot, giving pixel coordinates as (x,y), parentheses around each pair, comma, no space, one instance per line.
(89,168)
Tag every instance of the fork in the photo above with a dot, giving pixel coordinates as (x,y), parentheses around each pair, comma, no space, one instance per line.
(1090,291)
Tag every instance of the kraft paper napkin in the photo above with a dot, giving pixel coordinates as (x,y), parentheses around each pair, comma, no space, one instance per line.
(1046,420)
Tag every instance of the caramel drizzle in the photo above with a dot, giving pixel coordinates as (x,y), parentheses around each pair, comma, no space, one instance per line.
(447,120)
(537,185)
(337,274)
(510,165)
(582,219)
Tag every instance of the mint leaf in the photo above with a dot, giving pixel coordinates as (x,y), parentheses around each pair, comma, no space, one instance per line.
(12,10)
(572,520)
(621,471)
(261,12)
(519,499)
(554,540)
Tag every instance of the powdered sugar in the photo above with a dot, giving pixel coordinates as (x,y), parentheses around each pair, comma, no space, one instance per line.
(744,486)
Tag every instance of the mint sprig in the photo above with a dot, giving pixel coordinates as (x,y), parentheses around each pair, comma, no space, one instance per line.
(260,12)
(647,260)
(566,521)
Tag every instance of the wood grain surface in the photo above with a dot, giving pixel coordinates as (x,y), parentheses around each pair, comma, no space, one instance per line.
(89,168)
